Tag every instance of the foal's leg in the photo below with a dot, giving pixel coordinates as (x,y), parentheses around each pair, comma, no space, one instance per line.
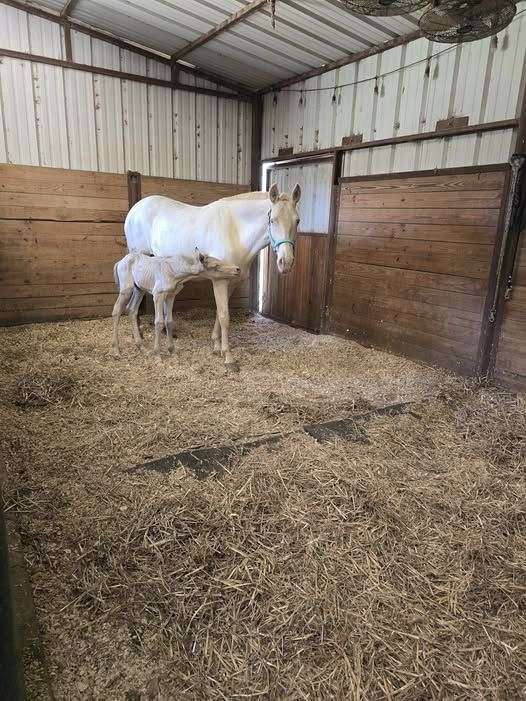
(133,310)
(169,308)
(221,297)
(158,302)
(120,304)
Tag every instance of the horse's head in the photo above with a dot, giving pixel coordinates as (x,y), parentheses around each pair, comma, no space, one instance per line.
(283,225)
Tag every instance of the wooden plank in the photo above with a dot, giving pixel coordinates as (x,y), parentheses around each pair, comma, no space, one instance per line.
(385,333)
(486,199)
(41,315)
(78,203)
(16,292)
(461,182)
(29,304)
(61,214)
(478,217)
(484,235)
(79,189)
(398,342)
(53,175)
(440,282)
(399,289)
(427,310)
(190,191)
(432,257)
(20,228)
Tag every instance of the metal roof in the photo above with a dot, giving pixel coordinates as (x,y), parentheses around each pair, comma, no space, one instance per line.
(308,33)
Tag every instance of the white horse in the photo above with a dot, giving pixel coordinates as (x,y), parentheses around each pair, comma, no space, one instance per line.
(233,229)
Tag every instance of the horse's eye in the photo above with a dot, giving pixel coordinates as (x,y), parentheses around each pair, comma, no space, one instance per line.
(298,220)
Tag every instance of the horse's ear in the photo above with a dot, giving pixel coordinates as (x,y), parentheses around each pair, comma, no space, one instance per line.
(296,194)
(273,193)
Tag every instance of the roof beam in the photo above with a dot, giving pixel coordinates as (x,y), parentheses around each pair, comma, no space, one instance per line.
(234,19)
(68,8)
(123,44)
(351,58)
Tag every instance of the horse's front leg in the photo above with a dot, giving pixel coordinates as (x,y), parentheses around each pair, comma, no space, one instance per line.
(216,333)
(221,296)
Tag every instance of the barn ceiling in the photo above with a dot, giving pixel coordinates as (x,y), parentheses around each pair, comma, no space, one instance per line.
(308,33)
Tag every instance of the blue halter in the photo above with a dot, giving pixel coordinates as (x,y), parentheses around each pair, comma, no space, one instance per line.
(273,243)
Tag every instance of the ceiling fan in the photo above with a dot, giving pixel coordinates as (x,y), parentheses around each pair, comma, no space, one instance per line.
(447,21)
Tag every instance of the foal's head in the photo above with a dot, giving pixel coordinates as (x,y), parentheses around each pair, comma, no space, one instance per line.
(213,267)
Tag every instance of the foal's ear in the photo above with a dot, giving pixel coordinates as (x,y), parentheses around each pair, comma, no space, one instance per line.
(198,256)
(296,194)
(273,193)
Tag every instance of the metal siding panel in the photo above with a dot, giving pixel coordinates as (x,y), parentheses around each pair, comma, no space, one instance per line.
(311,114)
(345,102)
(227,130)
(507,68)
(388,93)
(45,37)
(366,98)
(206,133)
(184,125)
(413,88)
(135,115)
(14,32)
(19,112)
(80,116)
(244,143)
(403,158)
(160,131)
(108,109)
(328,108)
(495,147)
(50,111)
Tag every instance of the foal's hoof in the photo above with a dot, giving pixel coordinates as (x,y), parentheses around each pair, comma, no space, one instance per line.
(115,354)
(216,352)
(233,366)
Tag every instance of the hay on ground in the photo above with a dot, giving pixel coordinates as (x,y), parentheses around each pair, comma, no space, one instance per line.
(392,569)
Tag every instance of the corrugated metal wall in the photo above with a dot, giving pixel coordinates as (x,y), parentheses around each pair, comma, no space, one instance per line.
(52,116)
(481,80)
(315,182)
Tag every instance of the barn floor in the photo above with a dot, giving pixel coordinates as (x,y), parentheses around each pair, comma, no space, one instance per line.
(392,566)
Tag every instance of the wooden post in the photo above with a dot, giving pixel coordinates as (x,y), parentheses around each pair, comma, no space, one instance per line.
(337,168)
(134,188)
(255,185)
(67,41)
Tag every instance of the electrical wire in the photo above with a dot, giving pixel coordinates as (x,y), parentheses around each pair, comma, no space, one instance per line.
(427,59)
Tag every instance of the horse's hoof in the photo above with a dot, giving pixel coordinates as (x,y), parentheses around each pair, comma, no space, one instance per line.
(233,366)
(171,350)
(216,352)
(115,354)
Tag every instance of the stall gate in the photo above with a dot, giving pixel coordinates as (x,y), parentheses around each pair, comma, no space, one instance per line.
(414,262)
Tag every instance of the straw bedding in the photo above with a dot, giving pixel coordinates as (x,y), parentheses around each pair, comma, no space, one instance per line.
(387,569)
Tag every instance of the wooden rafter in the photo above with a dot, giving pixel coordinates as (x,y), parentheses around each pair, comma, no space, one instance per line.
(219,28)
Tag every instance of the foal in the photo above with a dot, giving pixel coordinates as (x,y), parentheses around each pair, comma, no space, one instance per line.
(162,277)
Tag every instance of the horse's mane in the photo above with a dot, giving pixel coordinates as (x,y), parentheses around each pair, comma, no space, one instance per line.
(253,196)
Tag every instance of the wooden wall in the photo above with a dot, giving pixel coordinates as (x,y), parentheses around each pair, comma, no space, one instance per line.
(297,298)
(60,234)
(510,366)
(413,256)
(196,192)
